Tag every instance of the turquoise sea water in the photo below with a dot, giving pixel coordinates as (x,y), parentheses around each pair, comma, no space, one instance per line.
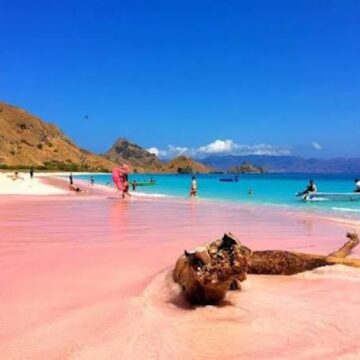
(271,189)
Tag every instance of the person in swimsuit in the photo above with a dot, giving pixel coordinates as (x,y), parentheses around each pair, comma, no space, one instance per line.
(72,187)
(125,186)
(193,189)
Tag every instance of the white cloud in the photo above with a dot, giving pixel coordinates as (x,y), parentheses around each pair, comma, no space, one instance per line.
(316,145)
(170,152)
(154,150)
(219,147)
(178,150)
(230,147)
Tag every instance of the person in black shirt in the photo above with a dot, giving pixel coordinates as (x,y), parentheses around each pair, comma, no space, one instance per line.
(309,189)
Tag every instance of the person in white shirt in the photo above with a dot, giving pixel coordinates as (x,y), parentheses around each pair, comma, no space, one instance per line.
(193,190)
(357,185)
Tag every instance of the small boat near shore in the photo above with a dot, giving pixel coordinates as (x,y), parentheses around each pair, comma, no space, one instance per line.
(323,196)
(143,183)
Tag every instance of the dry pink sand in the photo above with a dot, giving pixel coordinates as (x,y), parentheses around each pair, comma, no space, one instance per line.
(88,278)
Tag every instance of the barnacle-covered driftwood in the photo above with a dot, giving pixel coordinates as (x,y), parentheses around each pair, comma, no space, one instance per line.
(208,272)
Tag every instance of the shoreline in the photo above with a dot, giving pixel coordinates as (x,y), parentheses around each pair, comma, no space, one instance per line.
(106,190)
(57,186)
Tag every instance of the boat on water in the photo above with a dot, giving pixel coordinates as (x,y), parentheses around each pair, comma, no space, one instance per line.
(229,179)
(323,196)
(142,183)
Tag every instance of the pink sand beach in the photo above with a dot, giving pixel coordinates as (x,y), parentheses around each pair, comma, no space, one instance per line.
(88,277)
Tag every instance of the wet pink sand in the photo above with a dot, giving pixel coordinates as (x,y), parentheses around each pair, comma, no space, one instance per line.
(88,278)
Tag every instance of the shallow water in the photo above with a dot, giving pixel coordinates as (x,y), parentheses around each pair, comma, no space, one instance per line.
(273,189)
(88,278)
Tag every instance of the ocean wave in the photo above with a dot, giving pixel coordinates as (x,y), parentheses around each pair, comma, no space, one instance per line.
(154,195)
(345,209)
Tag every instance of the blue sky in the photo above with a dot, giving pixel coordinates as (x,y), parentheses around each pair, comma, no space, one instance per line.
(259,76)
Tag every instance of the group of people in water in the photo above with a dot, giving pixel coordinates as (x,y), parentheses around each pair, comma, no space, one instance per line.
(124,185)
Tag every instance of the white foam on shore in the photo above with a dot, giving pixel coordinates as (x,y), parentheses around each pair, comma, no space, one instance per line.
(345,209)
(155,195)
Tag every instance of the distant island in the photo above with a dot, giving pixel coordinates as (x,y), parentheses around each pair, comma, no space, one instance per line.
(246,168)
(185,165)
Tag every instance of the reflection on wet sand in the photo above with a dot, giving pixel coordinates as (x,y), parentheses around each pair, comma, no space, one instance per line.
(88,279)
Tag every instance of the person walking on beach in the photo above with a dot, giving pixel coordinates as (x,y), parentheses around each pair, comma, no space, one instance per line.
(357,185)
(193,189)
(31,173)
(92,180)
(125,190)
(71,179)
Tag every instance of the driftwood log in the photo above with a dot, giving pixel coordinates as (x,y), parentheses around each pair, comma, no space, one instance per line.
(208,272)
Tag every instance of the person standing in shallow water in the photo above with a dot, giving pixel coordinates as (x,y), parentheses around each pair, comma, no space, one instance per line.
(193,189)
(71,179)
(125,186)
(309,189)
(134,183)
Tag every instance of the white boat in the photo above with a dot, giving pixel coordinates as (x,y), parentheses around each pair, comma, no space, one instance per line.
(322,196)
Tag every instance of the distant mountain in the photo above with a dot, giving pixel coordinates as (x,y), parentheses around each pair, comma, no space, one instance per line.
(26,140)
(291,164)
(185,165)
(141,160)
